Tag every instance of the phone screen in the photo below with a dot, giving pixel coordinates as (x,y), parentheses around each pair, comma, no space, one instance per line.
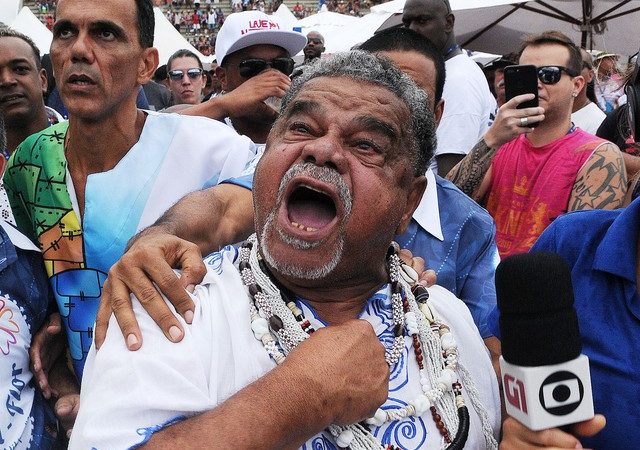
(521,79)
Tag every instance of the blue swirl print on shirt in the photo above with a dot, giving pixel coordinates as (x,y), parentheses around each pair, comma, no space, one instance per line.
(379,305)
(408,434)
(214,260)
(320,442)
(147,432)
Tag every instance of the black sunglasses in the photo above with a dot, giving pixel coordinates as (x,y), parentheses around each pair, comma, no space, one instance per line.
(176,75)
(251,67)
(552,74)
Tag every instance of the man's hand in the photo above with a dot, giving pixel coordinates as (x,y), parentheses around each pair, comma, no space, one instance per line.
(510,123)
(518,437)
(426,277)
(47,347)
(143,270)
(344,370)
(66,409)
(250,95)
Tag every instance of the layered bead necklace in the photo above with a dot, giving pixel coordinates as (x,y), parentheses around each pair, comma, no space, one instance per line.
(280,325)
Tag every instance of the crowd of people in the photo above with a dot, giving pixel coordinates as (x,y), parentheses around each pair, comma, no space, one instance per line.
(278,255)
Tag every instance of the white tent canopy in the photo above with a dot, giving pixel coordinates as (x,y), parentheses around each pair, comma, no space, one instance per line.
(27,23)
(168,40)
(284,14)
(9,10)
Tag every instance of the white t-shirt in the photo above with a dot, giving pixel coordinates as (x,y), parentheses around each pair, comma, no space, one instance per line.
(588,118)
(468,105)
(127,396)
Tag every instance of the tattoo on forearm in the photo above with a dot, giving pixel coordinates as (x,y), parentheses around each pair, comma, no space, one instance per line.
(469,173)
(602,183)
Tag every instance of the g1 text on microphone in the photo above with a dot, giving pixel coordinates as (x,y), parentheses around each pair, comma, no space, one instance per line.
(545,377)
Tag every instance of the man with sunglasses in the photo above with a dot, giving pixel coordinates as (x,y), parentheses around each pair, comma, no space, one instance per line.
(254,52)
(534,164)
(186,77)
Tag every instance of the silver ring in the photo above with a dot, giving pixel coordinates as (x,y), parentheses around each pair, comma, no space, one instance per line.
(524,121)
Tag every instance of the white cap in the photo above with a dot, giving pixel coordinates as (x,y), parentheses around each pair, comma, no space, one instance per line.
(247,28)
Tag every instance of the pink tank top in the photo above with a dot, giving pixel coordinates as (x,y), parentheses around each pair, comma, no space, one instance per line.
(531,186)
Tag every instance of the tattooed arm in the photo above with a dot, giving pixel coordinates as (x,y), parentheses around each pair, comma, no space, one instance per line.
(468,175)
(602,181)
(472,174)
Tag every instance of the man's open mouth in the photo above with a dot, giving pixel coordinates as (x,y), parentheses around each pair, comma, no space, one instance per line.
(310,209)
(80,80)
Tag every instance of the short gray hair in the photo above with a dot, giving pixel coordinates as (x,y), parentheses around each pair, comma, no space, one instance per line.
(380,71)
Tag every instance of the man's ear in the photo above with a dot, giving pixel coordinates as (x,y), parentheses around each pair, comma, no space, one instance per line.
(43,81)
(450,21)
(416,190)
(578,83)
(221,75)
(148,65)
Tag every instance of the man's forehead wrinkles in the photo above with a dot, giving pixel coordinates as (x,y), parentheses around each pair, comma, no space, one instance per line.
(304,106)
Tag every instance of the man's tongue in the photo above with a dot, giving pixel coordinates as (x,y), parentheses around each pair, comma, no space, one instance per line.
(310,209)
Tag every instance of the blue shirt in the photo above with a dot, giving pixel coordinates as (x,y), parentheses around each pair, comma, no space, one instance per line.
(600,248)
(456,238)
(25,299)
(462,249)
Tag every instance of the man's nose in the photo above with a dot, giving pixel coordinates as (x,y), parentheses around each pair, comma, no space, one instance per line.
(81,48)
(326,150)
(6,77)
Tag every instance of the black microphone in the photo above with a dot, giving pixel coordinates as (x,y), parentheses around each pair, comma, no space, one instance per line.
(545,377)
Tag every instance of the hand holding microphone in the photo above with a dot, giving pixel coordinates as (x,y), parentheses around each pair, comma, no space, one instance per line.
(546,379)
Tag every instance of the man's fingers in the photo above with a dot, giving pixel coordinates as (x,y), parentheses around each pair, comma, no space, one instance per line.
(116,299)
(152,301)
(515,101)
(590,427)
(66,409)
(427,278)
(45,348)
(174,288)
(517,436)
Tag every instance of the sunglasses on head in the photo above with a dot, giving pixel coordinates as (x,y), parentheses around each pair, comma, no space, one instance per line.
(177,74)
(552,74)
(251,67)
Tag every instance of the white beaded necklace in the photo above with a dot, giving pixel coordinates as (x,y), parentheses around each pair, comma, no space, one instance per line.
(280,325)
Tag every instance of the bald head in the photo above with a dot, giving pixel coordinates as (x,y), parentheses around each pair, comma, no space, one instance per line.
(314,47)
(433,20)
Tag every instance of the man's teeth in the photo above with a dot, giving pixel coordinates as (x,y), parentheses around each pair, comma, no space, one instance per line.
(302,227)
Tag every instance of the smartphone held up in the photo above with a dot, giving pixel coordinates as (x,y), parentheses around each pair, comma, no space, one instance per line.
(522,79)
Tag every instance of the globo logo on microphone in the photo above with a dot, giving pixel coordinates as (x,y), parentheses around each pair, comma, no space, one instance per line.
(548,396)
(561,393)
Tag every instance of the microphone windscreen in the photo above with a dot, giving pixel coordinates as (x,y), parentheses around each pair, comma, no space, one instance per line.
(538,323)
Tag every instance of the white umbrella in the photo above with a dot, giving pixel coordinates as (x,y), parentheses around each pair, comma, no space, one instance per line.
(27,23)
(497,26)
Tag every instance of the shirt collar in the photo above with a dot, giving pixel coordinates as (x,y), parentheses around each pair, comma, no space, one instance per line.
(427,214)
(622,233)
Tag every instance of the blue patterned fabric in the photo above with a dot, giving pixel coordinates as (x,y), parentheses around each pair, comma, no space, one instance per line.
(466,260)
(25,299)
(601,247)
